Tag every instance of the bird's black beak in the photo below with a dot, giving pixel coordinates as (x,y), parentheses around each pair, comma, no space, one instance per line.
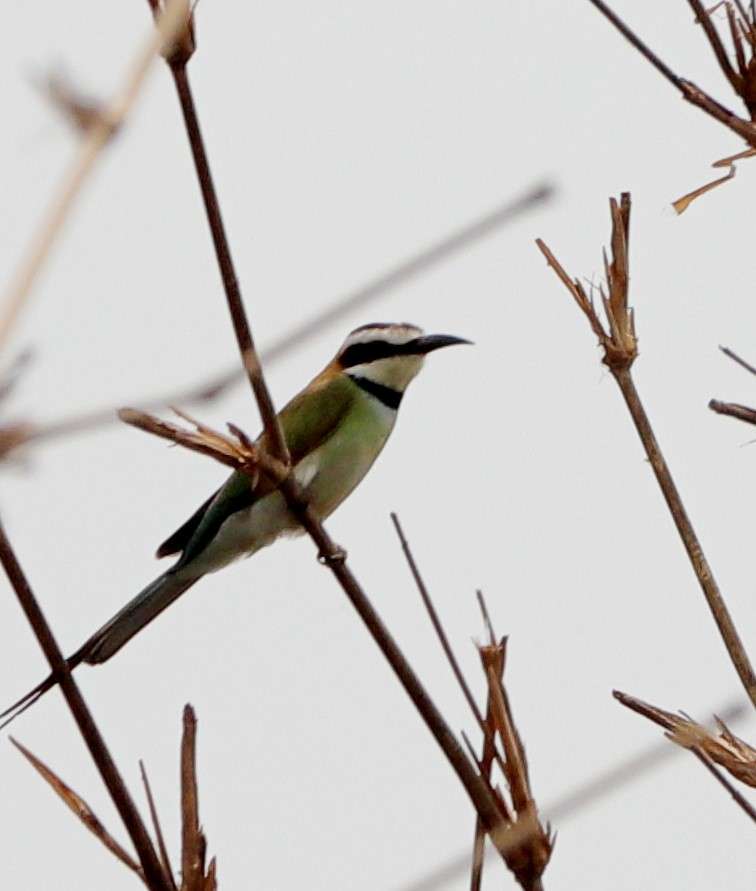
(430,342)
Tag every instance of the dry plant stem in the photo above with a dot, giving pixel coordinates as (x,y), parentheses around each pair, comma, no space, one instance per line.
(330,553)
(737,796)
(79,807)
(14,435)
(153,872)
(686,734)
(577,799)
(164,856)
(690,92)
(274,434)
(739,359)
(192,840)
(476,788)
(741,412)
(94,139)
(443,638)
(698,561)
(486,764)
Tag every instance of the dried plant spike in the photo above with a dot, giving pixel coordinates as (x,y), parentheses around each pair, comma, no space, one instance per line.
(78,806)
(528,846)
(722,747)
(192,840)
(617,338)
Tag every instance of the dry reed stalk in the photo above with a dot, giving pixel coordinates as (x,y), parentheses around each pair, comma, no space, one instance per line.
(101,127)
(619,343)
(195,874)
(723,748)
(743,81)
(329,553)
(524,844)
(151,866)
(20,433)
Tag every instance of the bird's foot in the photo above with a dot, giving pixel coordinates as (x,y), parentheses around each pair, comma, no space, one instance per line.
(337,556)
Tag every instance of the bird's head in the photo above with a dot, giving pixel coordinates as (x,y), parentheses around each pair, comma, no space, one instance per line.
(389,355)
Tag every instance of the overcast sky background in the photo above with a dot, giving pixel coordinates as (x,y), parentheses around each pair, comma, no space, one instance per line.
(343,137)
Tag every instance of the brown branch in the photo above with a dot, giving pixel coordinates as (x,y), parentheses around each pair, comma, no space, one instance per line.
(80,808)
(329,553)
(620,349)
(741,412)
(487,759)
(529,845)
(443,638)
(177,62)
(690,91)
(715,42)
(576,799)
(193,844)
(16,434)
(737,796)
(151,866)
(725,748)
(736,358)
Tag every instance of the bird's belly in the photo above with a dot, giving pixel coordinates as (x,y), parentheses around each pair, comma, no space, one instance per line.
(328,476)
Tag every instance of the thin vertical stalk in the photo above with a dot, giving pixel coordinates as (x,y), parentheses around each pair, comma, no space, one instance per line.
(701,567)
(153,871)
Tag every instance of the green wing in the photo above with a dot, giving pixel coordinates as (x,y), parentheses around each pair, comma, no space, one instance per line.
(307,421)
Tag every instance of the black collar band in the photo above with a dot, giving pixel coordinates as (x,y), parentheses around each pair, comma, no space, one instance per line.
(386,395)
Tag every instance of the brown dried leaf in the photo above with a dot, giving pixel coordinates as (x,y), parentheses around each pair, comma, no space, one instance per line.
(79,807)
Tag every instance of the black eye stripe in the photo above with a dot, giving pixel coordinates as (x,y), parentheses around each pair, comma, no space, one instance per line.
(358,353)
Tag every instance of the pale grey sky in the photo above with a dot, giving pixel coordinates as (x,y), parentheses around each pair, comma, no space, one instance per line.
(344,136)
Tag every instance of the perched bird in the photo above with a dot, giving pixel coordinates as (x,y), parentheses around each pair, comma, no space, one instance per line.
(335,429)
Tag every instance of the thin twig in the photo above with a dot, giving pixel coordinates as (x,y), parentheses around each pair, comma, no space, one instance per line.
(164,856)
(737,796)
(689,735)
(575,800)
(690,91)
(642,48)
(83,811)
(619,342)
(330,554)
(736,358)
(28,432)
(715,42)
(273,432)
(94,139)
(443,638)
(151,866)
(698,561)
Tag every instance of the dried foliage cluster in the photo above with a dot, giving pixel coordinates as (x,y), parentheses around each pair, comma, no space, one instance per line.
(496,780)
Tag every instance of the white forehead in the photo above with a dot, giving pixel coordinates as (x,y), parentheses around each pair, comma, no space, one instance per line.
(397,334)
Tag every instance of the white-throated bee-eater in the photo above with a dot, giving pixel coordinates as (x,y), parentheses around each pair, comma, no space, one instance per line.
(334,429)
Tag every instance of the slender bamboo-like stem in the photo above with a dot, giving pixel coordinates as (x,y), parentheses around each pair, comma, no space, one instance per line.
(96,136)
(690,92)
(698,561)
(330,554)
(15,435)
(250,361)
(153,871)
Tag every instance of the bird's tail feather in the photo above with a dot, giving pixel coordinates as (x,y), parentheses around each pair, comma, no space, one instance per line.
(106,642)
